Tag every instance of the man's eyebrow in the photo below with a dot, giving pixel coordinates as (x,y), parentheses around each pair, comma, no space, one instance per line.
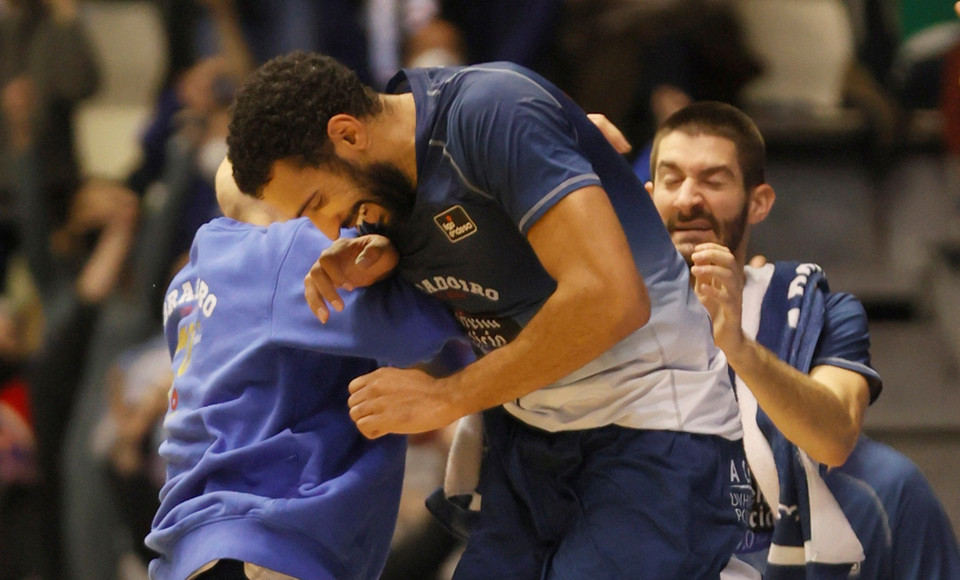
(303,207)
(711,171)
(667,165)
(702,174)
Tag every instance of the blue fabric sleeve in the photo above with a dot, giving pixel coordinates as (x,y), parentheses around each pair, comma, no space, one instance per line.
(391,321)
(514,142)
(845,340)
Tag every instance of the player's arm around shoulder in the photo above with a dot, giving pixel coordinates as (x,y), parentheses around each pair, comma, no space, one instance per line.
(349,263)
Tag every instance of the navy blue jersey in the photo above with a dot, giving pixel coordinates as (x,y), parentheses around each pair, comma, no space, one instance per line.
(497,147)
(264,464)
(845,341)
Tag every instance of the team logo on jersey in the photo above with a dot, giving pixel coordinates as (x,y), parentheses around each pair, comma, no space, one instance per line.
(455,223)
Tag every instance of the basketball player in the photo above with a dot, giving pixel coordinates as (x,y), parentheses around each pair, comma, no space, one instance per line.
(804,381)
(610,419)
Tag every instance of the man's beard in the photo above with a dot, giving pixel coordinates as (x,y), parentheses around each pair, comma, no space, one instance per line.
(729,233)
(383,184)
(389,188)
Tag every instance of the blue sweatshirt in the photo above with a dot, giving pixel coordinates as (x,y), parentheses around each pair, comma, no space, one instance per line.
(264,464)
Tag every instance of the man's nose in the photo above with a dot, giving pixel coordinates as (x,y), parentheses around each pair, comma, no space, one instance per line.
(329,227)
(688,195)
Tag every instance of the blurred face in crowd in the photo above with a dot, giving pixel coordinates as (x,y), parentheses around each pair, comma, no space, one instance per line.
(698,190)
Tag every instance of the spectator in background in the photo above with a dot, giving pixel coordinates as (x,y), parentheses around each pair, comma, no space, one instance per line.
(127,437)
(520,31)
(409,33)
(184,142)
(71,307)
(638,62)
(876,32)
(602,44)
(22,546)
(74,235)
(374,38)
(183,147)
(274,27)
(47,66)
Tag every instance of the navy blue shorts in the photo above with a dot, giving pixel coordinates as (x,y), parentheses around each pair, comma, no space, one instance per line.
(605,503)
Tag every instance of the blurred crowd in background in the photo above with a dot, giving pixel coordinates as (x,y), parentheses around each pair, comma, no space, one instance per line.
(99,201)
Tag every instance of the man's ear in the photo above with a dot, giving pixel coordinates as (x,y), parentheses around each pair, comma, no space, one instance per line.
(649,187)
(761,201)
(347,134)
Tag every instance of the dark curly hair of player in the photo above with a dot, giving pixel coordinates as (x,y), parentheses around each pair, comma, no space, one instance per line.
(282,110)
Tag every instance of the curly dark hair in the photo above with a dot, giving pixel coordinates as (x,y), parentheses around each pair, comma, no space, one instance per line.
(282,110)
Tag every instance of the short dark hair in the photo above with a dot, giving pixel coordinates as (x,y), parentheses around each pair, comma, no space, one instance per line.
(282,111)
(720,120)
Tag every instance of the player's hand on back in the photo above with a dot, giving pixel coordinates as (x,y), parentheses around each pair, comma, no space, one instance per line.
(611,132)
(348,264)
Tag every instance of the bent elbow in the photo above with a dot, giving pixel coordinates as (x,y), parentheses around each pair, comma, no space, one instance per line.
(845,450)
(837,454)
(643,310)
(636,312)
(832,460)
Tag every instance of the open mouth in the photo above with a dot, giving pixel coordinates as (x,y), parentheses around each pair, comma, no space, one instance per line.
(694,226)
(700,221)
(368,220)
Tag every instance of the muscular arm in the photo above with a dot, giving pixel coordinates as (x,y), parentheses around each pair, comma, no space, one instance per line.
(599,300)
(821,413)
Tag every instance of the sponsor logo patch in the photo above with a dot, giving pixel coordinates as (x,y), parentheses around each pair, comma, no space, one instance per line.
(455,223)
